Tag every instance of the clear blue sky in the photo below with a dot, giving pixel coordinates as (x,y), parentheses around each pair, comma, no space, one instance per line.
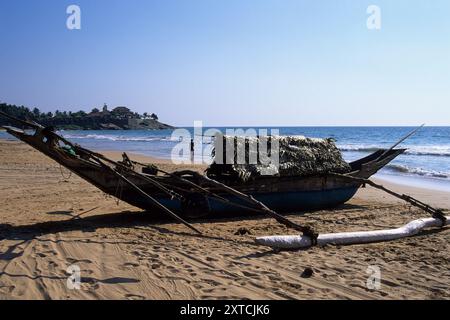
(232,62)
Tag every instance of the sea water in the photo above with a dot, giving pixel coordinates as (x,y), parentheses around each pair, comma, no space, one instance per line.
(426,162)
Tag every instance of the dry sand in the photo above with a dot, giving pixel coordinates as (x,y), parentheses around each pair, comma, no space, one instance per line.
(49,222)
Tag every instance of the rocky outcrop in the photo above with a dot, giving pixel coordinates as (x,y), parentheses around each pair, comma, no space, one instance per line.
(105,123)
(150,124)
(120,118)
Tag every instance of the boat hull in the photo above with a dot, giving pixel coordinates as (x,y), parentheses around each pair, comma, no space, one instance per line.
(293,201)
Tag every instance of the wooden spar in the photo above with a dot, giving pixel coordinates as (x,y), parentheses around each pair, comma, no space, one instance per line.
(348,238)
(152,200)
(436,213)
(261,206)
(158,185)
(400,141)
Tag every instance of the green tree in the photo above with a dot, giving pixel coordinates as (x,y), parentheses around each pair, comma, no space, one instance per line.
(36,112)
(79,114)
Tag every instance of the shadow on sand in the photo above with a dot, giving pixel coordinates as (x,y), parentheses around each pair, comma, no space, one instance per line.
(123,219)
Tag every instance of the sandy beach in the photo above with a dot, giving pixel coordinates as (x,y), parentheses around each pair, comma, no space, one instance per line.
(51,220)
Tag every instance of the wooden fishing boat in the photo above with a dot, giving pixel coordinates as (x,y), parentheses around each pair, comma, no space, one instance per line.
(191,195)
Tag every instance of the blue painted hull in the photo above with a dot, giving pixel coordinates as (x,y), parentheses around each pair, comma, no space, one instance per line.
(295,201)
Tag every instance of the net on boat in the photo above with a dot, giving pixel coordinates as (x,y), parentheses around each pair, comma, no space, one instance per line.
(245,158)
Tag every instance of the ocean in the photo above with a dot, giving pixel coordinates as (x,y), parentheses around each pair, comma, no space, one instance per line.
(426,163)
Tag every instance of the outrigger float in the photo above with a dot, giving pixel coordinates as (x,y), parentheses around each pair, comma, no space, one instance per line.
(186,195)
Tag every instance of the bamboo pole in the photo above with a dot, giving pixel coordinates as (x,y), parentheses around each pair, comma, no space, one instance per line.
(436,213)
(400,141)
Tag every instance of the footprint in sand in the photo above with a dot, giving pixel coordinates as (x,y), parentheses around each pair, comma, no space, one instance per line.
(211,282)
(131,264)
(389,283)
(115,280)
(210,259)
(357,285)
(273,278)
(73,260)
(134,297)
(250,274)
(87,271)
(7,289)
(292,285)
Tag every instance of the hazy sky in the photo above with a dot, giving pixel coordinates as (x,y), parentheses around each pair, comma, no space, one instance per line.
(232,62)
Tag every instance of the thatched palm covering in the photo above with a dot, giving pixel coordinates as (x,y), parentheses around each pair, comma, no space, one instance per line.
(298,156)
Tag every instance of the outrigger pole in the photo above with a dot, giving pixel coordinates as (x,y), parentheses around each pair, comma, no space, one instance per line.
(347,238)
(436,213)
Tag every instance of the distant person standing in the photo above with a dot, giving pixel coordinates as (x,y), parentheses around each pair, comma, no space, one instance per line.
(192,150)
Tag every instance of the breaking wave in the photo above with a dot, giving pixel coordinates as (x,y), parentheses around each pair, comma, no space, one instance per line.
(441,151)
(417,171)
(438,150)
(117,138)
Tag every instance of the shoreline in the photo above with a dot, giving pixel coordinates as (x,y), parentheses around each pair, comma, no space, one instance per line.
(401,181)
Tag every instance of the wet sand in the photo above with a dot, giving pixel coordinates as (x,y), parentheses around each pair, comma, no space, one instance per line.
(50,221)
